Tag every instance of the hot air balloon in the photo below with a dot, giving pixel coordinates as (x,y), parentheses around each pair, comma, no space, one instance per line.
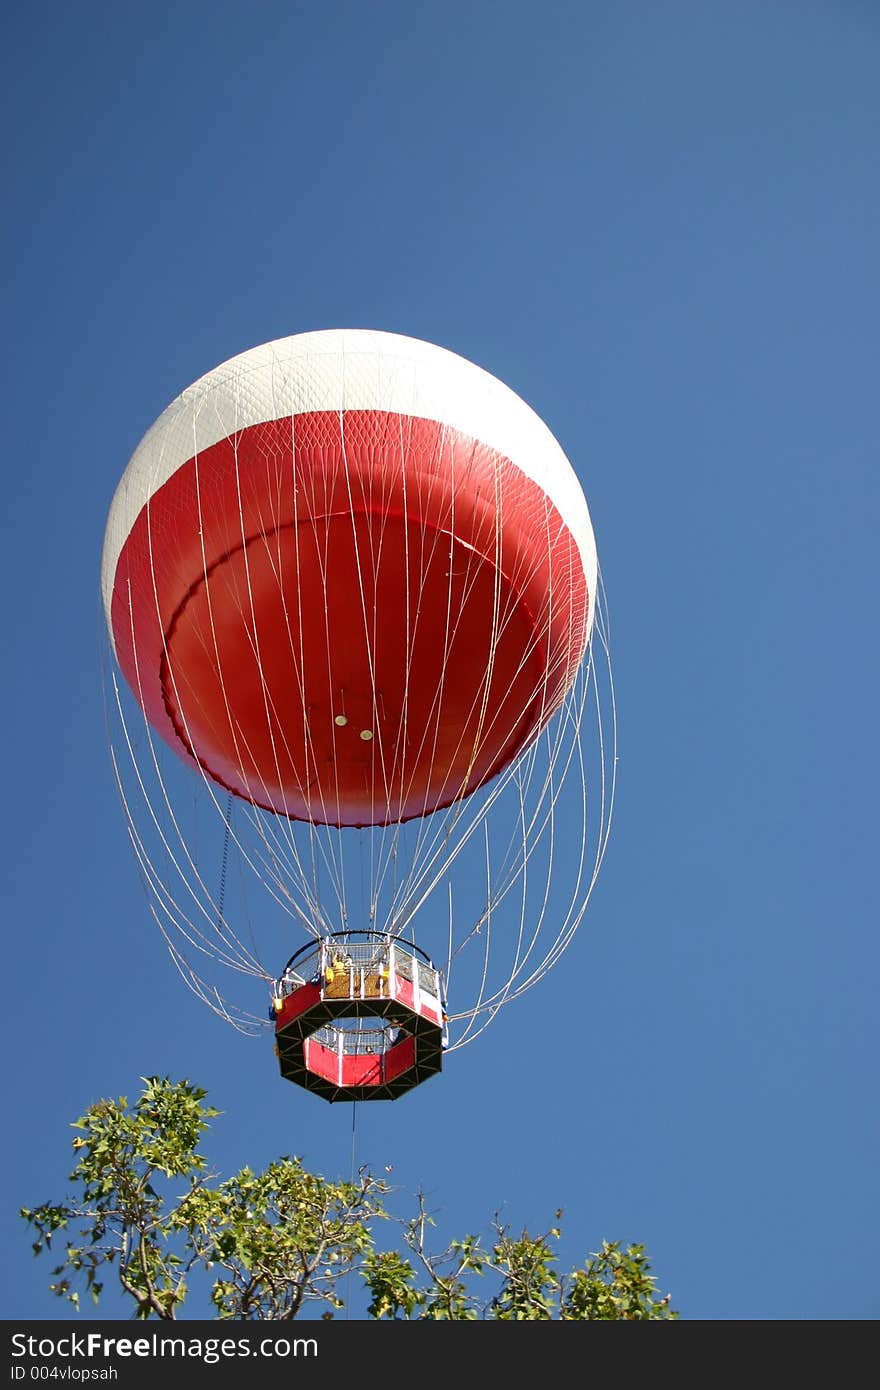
(353,602)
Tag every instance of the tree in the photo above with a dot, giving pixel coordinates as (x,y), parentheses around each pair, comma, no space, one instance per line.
(271,1244)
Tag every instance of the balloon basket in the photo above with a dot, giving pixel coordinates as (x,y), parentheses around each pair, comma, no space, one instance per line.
(359,1016)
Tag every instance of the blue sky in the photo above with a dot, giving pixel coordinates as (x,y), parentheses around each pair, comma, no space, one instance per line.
(658,223)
